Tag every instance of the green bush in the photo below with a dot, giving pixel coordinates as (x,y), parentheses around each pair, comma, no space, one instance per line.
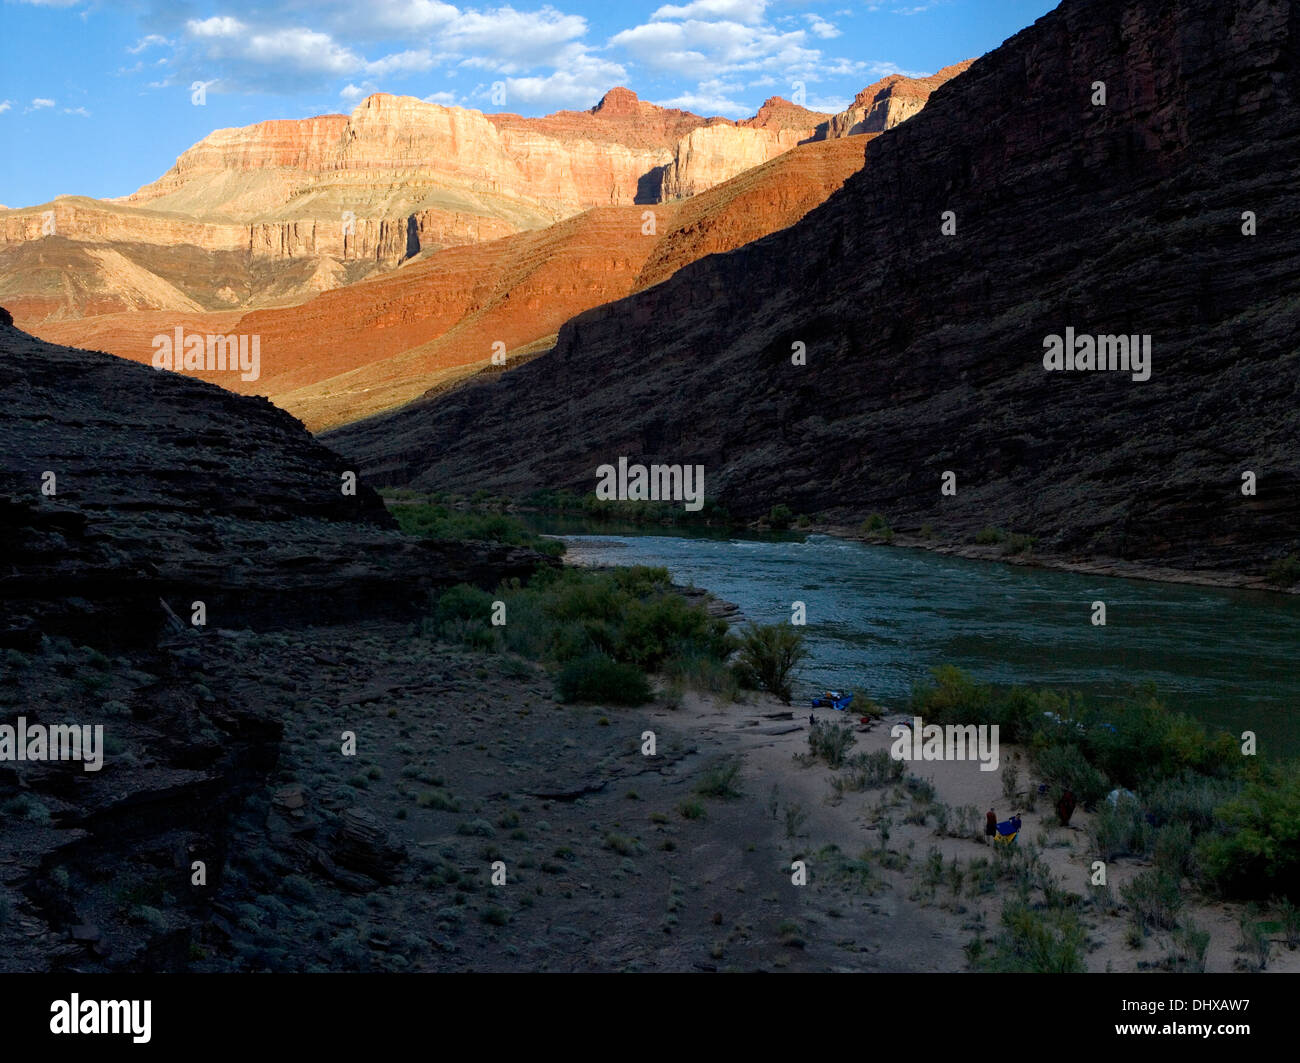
(769,655)
(1285,571)
(430,521)
(988,536)
(1174,850)
(1254,850)
(601,679)
(1065,767)
(463,602)
(780,517)
(876,527)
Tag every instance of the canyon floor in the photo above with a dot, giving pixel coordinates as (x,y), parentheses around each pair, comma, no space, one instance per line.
(613,860)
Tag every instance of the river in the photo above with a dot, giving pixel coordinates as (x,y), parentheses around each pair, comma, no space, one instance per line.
(879,618)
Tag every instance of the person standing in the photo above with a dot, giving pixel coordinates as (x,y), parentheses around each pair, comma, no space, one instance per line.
(1065,807)
(991,826)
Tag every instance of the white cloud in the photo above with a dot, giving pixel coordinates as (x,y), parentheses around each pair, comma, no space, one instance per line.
(401,63)
(5,105)
(405,16)
(578,81)
(699,50)
(40,103)
(447,99)
(148,42)
(302,50)
(748,11)
(511,41)
(711,55)
(821,27)
(77,110)
(218,26)
(828,104)
(708,105)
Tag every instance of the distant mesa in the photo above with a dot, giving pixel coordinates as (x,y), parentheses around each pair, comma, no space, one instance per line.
(273,213)
(355,351)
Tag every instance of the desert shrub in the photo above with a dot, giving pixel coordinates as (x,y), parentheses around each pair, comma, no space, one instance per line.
(1289,916)
(967,822)
(1050,941)
(1190,799)
(1139,742)
(769,654)
(601,679)
(579,620)
(719,779)
(652,630)
(989,535)
(1155,898)
(705,673)
(867,771)
(1010,781)
(1254,940)
(1191,943)
(1120,829)
(831,742)
(1018,544)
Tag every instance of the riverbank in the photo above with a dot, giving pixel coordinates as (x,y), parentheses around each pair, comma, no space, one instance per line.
(897,849)
(1034,558)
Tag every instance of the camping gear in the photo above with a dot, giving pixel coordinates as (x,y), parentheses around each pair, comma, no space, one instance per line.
(833,699)
(1007,830)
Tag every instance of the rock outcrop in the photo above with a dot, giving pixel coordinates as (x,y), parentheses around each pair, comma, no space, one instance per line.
(714,153)
(925,351)
(888,102)
(130,499)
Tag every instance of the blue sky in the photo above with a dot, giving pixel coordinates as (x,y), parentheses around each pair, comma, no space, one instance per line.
(96,96)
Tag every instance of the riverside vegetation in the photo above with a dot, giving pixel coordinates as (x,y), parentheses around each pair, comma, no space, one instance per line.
(1206,817)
